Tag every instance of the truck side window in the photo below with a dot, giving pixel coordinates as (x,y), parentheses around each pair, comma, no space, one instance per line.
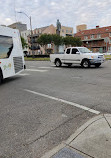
(74,50)
(68,51)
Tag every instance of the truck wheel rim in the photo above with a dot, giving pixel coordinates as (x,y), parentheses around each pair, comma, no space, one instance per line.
(85,64)
(57,63)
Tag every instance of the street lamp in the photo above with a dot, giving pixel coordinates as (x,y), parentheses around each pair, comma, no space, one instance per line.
(87,44)
(30,22)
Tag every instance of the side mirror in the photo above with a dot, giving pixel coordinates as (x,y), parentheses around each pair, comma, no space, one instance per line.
(77,52)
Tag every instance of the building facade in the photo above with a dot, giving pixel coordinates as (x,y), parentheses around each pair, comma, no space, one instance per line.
(25,35)
(18,25)
(37,49)
(81,27)
(94,39)
(66,31)
(51,29)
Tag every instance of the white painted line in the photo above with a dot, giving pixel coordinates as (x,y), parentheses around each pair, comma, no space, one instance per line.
(44,67)
(64,101)
(36,70)
(49,68)
(24,74)
(32,66)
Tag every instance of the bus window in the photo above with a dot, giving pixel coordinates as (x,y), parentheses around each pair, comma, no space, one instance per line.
(6,46)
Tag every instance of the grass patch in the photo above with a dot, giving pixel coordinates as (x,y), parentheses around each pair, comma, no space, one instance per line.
(107,57)
(36,59)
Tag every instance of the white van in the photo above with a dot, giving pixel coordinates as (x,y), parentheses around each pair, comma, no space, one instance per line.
(11,54)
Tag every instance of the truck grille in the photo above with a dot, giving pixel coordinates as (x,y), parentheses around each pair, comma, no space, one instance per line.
(18,64)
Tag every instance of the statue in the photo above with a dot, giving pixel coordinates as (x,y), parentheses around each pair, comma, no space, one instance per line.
(58,27)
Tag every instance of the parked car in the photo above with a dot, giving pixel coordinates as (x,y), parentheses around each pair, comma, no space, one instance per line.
(77,55)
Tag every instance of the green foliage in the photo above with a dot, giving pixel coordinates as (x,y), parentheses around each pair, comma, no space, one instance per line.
(24,44)
(47,39)
(73,41)
(44,39)
(58,40)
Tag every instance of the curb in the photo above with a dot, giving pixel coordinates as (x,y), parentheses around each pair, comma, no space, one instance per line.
(73,136)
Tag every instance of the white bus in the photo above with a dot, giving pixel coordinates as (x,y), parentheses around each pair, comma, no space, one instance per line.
(11,54)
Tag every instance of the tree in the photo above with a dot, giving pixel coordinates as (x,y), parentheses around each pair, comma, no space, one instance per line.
(57,40)
(72,41)
(24,43)
(45,39)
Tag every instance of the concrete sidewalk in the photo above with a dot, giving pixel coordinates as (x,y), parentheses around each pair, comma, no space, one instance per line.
(92,140)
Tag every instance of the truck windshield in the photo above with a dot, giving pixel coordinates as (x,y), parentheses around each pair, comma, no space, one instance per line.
(84,50)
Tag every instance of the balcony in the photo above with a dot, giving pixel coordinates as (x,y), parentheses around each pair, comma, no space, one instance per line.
(93,39)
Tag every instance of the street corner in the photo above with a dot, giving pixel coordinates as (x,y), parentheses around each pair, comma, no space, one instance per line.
(94,137)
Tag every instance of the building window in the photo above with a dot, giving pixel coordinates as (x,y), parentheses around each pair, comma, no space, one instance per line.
(110,34)
(85,37)
(70,31)
(48,45)
(92,36)
(40,31)
(67,31)
(110,41)
(98,35)
(62,30)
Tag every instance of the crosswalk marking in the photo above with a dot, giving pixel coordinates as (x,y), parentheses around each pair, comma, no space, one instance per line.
(36,70)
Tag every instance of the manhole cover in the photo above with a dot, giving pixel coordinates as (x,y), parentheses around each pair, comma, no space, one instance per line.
(67,153)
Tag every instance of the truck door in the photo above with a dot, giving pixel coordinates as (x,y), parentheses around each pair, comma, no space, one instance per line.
(72,56)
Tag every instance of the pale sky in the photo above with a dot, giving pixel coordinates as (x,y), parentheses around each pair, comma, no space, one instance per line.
(46,12)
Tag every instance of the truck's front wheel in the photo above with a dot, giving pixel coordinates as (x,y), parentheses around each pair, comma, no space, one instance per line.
(58,63)
(85,63)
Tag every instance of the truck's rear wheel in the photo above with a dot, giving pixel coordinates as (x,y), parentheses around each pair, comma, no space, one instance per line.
(85,63)
(58,63)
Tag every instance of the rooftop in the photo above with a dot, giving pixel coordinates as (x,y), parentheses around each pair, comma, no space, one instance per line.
(99,30)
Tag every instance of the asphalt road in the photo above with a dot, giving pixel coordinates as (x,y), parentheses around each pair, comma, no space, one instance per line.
(45,105)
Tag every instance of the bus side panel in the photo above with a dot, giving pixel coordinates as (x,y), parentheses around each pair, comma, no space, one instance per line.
(14,63)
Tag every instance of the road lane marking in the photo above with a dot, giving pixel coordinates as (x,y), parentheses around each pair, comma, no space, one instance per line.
(32,66)
(36,70)
(53,67)
(24,74)
(64,101)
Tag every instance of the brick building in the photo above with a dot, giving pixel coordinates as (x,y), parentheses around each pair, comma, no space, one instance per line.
(94,38)
(51,29)
(36,33)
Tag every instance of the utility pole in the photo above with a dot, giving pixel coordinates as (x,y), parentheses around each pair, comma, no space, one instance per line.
(30,28)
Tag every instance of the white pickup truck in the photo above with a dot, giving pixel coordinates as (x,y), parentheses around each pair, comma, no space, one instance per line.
(77,55)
